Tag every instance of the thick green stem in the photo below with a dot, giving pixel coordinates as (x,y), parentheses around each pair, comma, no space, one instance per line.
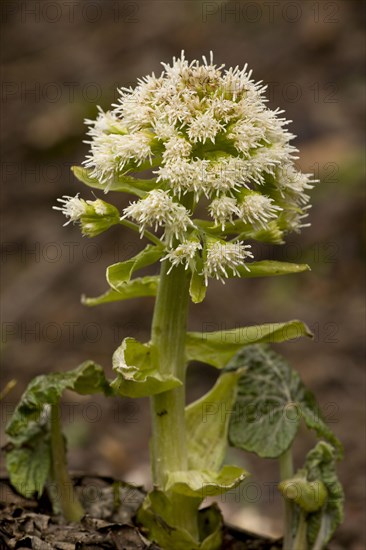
(65,494)
(286,472)
(169,449)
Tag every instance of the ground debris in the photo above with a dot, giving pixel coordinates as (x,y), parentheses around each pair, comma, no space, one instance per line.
(107,525)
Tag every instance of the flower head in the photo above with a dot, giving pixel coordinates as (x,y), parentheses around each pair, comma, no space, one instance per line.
(94,217)
(223,209)
(208,136)
(184,253)
(72,207)
(223,257)
(257,209)
(158,209)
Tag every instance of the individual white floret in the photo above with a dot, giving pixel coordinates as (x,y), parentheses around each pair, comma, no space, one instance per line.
(106,123)
(184,175)
(258,209)
(158,209)
(294,219)
(204,127)
(184,253)
(72,207)
(223,209)
(292,182)
(94,217)
(246,135)
(176,147)
(111,152)
(224,257)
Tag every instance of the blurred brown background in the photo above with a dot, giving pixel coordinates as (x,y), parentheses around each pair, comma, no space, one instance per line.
(59,60)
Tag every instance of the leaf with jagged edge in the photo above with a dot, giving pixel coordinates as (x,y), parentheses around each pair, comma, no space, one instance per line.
(29,464)
(321,464)
(137,371)
(28,451)
(271,402)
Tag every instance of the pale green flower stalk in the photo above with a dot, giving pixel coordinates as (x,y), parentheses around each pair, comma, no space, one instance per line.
(210,141)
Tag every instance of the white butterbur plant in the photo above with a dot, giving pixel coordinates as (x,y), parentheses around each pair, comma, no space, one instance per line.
(218,173)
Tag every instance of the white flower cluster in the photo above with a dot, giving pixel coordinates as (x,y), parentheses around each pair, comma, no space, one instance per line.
(184,254)
(207,132)
(158,209)
(72,207)
(223,257)
(94,216)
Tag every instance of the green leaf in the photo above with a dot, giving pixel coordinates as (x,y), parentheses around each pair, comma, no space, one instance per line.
(217,348)
(137,288)
(28,454)
(127,184)
(120,273)
(205,483)
(87,378)
(156,516)
(269,268)
(320,465)
(29,465)
(207,423)
(137,371)
(271,401)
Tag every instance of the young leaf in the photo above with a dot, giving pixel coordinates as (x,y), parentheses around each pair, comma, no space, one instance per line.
(28,456)
(207,423)
(120,273)
(205,483)
(127,184)
(217,348)
(271,401)
(137,288)
(321,465)
(137,371)
(197,287)
(309,495)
